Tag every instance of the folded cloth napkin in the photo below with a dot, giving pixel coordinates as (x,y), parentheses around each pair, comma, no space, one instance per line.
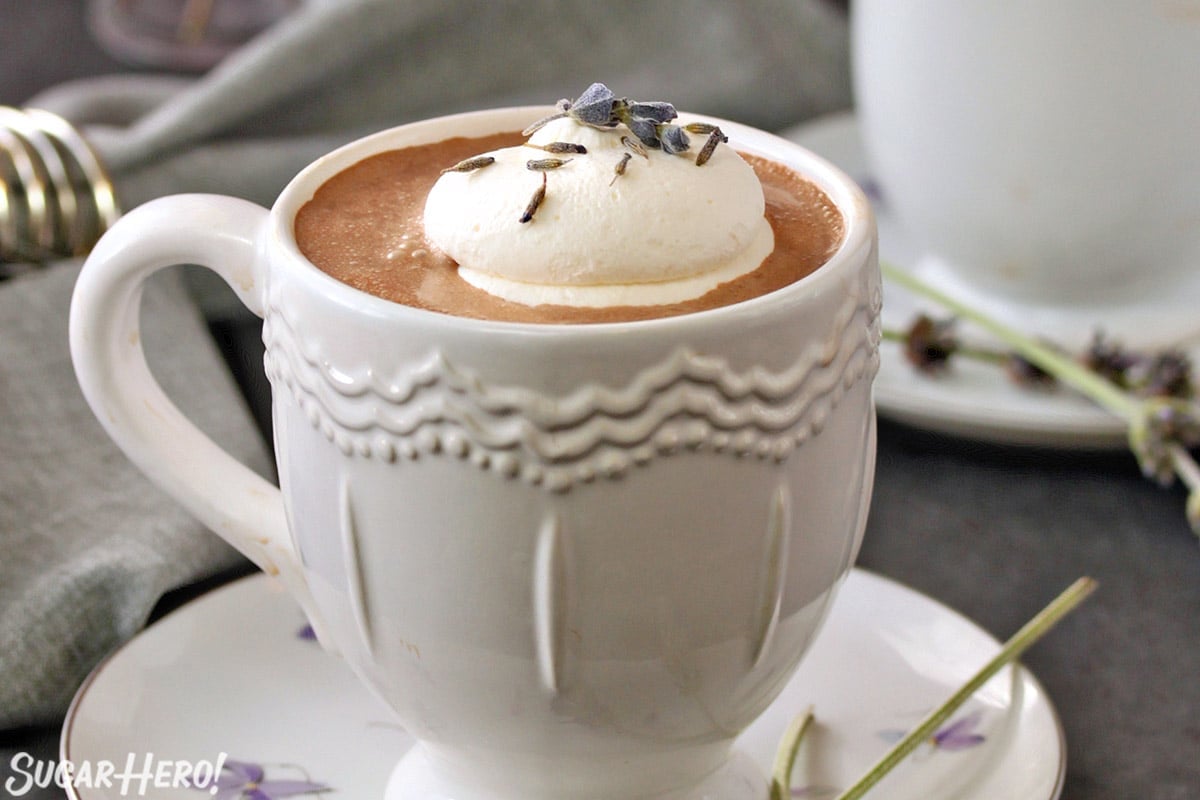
(87,546)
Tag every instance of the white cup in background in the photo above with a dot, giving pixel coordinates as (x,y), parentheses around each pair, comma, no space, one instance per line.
(1044,158)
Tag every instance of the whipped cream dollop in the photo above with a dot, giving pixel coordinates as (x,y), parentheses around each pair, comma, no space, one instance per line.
(658,230)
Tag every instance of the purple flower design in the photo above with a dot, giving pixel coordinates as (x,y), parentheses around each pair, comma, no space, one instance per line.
(958,735)
(241,780)
(307,634)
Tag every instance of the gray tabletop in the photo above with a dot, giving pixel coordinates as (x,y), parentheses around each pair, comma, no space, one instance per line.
(992,531)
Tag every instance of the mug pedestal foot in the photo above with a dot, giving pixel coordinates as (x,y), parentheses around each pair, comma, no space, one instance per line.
(418,777)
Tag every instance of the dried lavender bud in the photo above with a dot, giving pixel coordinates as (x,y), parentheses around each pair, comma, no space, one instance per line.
(646,130)
(715,137)
(594,106)
(619,169)
(1164,422)
(929,343)
(545,164)
(700,128)
(1164,374)
(535,202)
(656,111)
(471,164)
(1168,374)
(1024,372)
(674,140)
(560,147)
(1109,360)
(635,146)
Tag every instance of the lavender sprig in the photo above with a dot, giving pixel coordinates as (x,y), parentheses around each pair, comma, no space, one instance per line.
(931,344)
(1021,641)
(1161,429)
(785,757)
(1010,651)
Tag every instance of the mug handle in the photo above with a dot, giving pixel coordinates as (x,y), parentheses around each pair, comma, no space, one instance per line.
(223,234)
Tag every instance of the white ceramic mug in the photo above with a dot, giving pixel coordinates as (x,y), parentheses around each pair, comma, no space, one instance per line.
(1043,157)
(576,560)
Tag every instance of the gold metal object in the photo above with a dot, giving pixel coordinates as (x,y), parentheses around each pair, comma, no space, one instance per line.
(56,198)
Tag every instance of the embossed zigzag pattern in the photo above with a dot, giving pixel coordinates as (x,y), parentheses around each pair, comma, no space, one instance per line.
(686,401)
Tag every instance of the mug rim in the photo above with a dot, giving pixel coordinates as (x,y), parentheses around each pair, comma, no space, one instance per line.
(849,198)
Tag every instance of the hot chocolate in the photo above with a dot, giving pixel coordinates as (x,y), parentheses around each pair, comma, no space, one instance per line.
(365,227)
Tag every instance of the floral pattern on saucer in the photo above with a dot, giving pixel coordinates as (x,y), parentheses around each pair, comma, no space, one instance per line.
(957,735)
(243,780)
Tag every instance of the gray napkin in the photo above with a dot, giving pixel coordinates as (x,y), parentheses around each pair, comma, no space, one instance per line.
(87,546)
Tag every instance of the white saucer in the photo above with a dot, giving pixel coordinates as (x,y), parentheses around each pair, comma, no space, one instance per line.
(230,673)
(974,400)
